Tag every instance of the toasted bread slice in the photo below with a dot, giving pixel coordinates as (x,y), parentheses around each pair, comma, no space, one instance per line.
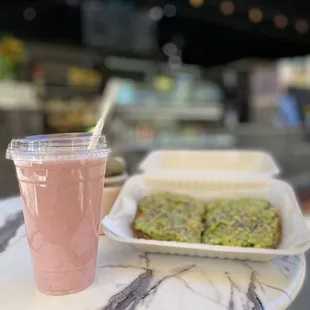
(278,235)
(138,233)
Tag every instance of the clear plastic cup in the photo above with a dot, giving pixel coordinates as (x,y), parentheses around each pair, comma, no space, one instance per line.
(61,183)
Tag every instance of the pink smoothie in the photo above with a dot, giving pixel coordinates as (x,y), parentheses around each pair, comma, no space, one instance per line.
(62,202)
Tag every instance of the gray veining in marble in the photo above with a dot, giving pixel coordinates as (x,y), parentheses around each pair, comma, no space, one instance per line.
(9,229)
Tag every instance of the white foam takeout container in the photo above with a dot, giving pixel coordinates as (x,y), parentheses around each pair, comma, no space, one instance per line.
(117,225)
(243,162)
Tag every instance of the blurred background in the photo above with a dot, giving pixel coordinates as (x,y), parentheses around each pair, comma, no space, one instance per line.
(196,74)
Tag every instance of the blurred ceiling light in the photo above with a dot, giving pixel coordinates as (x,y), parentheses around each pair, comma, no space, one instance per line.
(170,10)
(255,15)
(30,14)
(170,49)
(196,3)
(227,8)
(302,26)
(280,21)
(156,13)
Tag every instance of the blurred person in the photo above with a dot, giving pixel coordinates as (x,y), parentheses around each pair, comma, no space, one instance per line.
(287,109)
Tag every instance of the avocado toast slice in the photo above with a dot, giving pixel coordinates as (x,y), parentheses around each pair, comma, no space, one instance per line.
(242,222)
(169,217)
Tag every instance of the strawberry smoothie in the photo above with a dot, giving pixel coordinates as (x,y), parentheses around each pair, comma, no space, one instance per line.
(62,203)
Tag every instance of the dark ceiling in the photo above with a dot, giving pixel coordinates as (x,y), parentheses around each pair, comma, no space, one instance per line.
(209,37)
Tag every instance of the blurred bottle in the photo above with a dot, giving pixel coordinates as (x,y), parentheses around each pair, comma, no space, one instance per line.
(183,88)
(287,113)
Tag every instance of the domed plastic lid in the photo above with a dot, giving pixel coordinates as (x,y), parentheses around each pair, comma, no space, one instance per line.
(55,147)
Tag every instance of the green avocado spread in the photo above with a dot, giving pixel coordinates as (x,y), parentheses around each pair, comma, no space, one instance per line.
(171,217)
(241,222)
(231,222)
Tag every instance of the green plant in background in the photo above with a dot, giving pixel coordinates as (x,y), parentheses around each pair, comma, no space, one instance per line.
(115,166)
(11,55)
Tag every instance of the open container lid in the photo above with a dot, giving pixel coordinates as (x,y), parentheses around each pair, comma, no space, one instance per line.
(223,162)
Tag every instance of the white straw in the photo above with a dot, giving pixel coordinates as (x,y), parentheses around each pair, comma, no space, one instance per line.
(107,100)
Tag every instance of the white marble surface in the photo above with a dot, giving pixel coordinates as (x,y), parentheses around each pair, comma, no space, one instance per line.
(129,279)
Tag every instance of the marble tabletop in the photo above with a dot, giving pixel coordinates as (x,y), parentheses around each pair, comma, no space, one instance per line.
(129,279)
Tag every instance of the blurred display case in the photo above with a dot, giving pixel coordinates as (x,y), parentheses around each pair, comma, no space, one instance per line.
(175,109)
(68,94)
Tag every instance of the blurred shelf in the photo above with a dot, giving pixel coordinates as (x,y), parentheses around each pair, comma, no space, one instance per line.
(65,124)
(212,141)
(206,113)
(18,95)
(73,87)
(64,109)
(63,91)
(14,105)
(264,129)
